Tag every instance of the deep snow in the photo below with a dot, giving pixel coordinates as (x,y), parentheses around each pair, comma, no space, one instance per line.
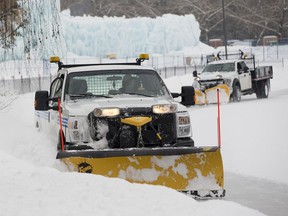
(254,136)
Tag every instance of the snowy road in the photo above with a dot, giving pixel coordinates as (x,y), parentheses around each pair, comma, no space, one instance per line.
(268,197)
(6,100)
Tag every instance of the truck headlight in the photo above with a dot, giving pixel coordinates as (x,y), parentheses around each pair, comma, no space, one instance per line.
(164,108)
(106,112)
(219,77)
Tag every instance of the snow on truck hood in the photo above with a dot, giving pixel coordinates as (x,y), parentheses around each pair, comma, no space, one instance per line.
(213,75)
(82,107)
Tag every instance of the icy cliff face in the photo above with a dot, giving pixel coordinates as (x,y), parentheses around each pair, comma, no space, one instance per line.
(50,32)
(42,36)
(97,36)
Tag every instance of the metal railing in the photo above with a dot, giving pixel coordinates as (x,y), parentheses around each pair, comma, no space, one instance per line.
(21,77)
(25,85)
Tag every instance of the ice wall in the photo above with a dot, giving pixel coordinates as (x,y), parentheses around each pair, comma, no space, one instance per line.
(50,32)
(97,36)
(41,36)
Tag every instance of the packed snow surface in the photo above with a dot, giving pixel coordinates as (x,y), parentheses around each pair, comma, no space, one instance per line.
(254,134)
(33,182)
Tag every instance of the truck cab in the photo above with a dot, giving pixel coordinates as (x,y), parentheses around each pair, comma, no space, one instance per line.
(240,78)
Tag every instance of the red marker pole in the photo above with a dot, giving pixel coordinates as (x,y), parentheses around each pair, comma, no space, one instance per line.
(218,119)
(60,122)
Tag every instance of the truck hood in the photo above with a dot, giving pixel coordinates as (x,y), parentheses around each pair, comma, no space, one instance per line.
(213,75)
(82,107)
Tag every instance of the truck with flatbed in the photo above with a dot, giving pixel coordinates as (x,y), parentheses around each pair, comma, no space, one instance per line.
(233,76)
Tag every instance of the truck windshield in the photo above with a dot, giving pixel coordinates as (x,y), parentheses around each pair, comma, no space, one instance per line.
(109,83)
(223,67)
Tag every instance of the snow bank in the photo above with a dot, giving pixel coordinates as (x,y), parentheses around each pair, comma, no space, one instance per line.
(29,190)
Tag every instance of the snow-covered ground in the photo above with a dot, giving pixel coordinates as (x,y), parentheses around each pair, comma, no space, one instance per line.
(254,135)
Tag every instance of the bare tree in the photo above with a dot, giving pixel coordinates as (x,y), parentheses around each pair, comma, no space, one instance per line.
(33,24)
(11,21)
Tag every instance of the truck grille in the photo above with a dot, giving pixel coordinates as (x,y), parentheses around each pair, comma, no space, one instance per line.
(158,132)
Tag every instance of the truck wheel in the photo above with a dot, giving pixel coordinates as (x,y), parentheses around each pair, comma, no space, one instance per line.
(263,89)
(236,94)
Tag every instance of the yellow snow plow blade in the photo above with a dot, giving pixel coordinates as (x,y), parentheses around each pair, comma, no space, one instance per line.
(194,170)
(209,95)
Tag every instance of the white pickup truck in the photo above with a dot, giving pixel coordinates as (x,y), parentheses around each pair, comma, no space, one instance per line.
(120,120)
(235,73)
(112,105)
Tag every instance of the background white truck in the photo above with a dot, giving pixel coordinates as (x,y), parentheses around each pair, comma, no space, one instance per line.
(236,77)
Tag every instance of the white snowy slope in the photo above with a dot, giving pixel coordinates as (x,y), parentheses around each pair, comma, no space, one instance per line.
(254,135)
(33,183)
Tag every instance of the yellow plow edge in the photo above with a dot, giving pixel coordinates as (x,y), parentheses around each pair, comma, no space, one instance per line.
(209,95)
(191,169)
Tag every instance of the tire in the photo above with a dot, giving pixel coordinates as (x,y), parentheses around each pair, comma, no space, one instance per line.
(263,89)
(236,94)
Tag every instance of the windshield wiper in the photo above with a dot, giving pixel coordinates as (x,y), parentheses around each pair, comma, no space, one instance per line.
(141,94)
(88,95)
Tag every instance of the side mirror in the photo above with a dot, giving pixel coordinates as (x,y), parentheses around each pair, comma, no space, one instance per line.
(41,100)
(188,93)
(195,73)
(175,95)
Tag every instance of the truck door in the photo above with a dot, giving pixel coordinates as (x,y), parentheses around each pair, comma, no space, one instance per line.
(55,92)
(244,76)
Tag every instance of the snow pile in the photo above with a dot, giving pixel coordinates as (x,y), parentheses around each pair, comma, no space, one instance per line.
(97,36)
(27,190)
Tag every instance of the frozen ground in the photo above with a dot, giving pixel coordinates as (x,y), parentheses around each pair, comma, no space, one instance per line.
(254,152)
(254,149)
